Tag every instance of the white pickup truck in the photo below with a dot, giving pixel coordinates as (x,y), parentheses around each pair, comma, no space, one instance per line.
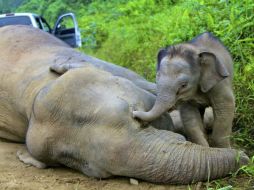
(66,27)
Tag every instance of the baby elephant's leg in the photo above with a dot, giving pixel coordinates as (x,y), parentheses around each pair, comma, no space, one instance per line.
(193,124)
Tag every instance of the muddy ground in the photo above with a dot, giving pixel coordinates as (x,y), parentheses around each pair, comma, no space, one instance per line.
(15,175)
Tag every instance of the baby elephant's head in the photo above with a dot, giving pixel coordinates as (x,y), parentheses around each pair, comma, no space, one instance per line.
(181,71)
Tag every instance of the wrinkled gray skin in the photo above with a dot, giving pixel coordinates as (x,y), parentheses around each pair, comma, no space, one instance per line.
(77,60)
(208,120)
(195,75)
(83,118)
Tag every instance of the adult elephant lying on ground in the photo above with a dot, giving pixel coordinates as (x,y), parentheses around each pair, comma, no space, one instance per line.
(83,118)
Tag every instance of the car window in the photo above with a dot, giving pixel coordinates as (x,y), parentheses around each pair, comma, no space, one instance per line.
(45,25)
(23,20)
(66,23)
(37,19)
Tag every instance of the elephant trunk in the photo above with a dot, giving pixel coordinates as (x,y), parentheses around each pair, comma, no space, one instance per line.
(165,157)
(162,104)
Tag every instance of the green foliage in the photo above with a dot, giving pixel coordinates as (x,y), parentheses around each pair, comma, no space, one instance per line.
(9,6)
(51,10)
(247,169)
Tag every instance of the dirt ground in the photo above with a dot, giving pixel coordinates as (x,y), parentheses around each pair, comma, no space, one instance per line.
(15,175)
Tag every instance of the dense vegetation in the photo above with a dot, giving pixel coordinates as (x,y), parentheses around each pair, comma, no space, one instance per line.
(10,5)
(130,32)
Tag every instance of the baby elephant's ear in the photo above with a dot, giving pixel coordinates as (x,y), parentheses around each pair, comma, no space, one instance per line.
(212,71)
(161,54)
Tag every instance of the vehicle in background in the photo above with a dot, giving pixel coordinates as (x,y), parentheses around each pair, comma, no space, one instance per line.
(66,27)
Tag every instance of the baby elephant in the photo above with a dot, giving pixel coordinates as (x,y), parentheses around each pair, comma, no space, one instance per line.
(195,75)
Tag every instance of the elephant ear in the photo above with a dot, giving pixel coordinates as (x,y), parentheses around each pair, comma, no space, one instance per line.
(161,54)
(212,71)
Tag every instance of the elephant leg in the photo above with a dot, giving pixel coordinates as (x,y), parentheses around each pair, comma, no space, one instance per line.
(193,124)
(223,110)
(26,157)
(208,119)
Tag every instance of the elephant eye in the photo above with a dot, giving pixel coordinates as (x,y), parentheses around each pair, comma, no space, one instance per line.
(184,85)
(182,88)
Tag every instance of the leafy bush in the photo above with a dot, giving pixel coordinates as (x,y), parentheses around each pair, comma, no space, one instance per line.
(9,6)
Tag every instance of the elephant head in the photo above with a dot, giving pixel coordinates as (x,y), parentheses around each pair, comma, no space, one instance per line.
(182,71)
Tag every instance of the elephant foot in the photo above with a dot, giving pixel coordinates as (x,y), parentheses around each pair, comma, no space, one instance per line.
(200,141)
(223,142)
(197,136)
(25,156)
